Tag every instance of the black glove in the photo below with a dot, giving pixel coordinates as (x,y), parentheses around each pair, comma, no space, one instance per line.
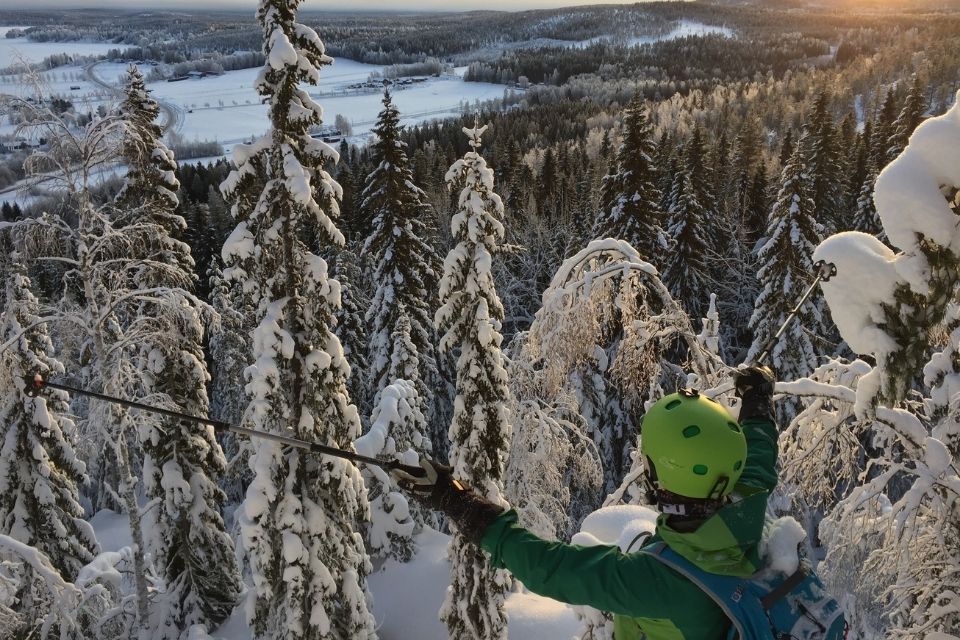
(754,386)
(437,488)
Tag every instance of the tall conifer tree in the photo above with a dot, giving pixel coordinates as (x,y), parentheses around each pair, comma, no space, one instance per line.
(470,319)
(686,270)
(403,261)
(629,205)
(185,532)
(39,469)
(909,119)
(786,270)
(824,168)
(307,562)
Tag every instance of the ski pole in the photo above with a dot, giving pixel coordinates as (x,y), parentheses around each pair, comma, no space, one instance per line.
(825,271)
(36,385)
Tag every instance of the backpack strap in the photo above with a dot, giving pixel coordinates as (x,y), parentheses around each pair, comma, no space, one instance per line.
(662,552)
(784,588)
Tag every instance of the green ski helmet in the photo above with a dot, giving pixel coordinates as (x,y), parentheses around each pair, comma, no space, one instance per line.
(695,447)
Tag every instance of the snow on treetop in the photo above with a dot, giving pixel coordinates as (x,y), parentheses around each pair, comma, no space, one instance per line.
(475,134)
(282,52)
(866,278)
(910,191)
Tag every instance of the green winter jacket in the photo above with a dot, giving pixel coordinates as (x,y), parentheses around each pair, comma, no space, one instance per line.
(650,601)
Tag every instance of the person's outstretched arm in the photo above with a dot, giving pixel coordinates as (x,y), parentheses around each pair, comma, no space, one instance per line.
(754,385)
(602,577)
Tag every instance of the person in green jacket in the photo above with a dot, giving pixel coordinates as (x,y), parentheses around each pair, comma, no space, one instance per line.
(711,477)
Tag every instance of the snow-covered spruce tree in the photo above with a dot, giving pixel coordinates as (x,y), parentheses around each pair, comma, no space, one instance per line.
(865,217)
(307,562)
(399,415)
(742,163)
(909,119)
(186,537)
(402,260)
(629,203)
(39,469)
(689,227)
(149,192)
(229,351)
(917,202)
(351,329)
(786,271)
(898,307)
(469,320)
(823,167)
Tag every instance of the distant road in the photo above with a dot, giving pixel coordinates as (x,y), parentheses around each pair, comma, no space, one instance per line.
(173,121)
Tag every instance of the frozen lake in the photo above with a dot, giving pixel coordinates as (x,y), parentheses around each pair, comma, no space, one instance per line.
(13,49)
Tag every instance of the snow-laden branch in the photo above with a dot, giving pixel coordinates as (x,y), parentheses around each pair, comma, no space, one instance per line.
(577,277)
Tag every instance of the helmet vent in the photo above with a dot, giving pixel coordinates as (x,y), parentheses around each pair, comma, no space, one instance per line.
(737,465)
(673,404)
(691,431)
(700,469)
(734,426)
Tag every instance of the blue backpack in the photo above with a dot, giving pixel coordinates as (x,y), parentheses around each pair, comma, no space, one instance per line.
(766,605)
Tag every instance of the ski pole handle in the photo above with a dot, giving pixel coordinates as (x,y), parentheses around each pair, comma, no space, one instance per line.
(416,472)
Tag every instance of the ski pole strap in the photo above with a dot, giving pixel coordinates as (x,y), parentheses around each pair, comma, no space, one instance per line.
(36,384)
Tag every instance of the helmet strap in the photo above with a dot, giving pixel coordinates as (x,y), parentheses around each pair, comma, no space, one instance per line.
(686,508)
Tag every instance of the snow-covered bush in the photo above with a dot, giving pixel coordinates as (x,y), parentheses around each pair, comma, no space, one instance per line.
(37,602)
(554,475)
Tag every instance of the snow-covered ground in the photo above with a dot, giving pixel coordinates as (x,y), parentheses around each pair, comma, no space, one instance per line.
(407,596)
(227,109)
(14,49)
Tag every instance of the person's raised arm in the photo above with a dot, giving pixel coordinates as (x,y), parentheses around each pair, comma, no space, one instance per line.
(601,577)
(754,386)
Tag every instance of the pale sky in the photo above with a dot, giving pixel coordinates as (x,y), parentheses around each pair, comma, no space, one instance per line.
(335,5)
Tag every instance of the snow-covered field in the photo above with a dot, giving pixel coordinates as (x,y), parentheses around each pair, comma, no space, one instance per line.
(226,108)
(683,29)
(14,49)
